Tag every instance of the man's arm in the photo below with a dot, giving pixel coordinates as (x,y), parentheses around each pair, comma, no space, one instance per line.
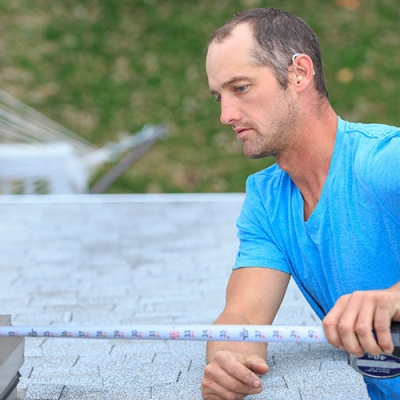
(350,323)
(253,297)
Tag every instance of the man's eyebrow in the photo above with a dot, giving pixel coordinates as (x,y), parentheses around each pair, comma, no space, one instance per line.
(234,80)
(230,82)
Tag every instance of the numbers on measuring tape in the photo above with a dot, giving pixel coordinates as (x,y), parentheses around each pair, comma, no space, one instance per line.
(206,334)
(136,334)
(295,334)
(277,334)
(259,335)
(224,334)
(174,334)
(188,334)
(312,334)
(247,333)
(32,333)
(244,334)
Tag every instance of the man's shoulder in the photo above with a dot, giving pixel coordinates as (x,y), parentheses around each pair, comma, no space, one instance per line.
(368,130)
(365,142)
(272,172)
(269,183)
(266,178)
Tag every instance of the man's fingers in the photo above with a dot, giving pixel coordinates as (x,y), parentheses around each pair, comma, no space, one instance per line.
(257,365)
(365,334)
(343,327)
(357,322)
(360,323)
(382,323)
(231,376)
(331,322)
(220,386)
(240,370)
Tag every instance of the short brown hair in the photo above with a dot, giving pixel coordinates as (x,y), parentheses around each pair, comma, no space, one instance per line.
(278,35)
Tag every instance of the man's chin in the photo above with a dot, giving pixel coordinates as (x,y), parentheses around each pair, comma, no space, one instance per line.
(254,154)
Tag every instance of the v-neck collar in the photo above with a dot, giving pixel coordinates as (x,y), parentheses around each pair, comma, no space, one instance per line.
(313,220)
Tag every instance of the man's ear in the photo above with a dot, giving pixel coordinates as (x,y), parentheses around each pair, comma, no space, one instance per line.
(302,67)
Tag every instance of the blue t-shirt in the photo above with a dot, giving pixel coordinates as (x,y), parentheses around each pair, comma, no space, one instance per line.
(350,242)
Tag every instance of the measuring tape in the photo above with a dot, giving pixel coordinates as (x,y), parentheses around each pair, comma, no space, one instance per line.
(383,366)
(249,333)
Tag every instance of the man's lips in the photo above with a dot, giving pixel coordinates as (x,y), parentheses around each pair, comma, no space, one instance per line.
(241,132)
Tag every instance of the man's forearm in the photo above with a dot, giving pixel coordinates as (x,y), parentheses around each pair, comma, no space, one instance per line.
(246,349)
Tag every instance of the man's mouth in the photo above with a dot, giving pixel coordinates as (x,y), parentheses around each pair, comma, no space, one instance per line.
(241,132)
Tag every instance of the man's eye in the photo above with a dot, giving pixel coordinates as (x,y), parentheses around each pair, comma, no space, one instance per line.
(217,99)
(241,89)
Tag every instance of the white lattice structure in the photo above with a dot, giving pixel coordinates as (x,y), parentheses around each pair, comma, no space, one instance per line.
(41,168)
(39,156)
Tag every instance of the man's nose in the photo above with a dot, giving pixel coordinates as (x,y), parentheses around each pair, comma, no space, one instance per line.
(229,112)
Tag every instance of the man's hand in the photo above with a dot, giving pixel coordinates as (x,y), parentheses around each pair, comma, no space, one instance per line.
(253,297)
(350,323)
(232,376)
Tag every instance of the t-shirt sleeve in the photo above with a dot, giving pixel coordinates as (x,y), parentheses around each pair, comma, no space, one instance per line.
(257,247)
(385,175)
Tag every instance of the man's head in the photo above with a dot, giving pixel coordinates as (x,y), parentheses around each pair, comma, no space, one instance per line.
(277,35)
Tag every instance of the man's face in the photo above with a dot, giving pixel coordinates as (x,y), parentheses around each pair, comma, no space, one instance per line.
(260,111)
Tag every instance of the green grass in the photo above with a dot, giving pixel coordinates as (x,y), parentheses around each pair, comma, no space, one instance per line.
(105,67)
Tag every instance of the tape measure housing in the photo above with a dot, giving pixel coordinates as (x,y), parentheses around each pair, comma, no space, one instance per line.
(380,367)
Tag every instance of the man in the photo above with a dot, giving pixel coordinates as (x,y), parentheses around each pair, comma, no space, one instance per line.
(327,213)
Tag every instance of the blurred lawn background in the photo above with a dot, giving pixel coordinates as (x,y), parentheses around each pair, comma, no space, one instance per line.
(106,67)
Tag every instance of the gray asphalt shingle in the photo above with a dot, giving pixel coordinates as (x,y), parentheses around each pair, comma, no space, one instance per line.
(123,259)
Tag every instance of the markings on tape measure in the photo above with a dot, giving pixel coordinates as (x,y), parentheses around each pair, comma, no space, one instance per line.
(384,366)
(249,333)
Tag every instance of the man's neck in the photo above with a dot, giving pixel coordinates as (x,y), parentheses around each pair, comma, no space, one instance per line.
(308,162)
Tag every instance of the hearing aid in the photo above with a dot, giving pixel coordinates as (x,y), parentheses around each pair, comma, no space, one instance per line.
(295,55)
(299,78)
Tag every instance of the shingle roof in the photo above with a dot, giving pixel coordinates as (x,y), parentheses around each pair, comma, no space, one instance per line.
(123,259)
